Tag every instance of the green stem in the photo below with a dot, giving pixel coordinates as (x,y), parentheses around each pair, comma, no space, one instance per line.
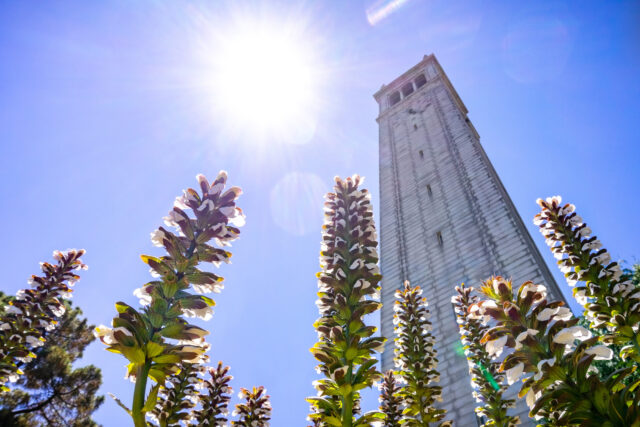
(347,410)
(142,374)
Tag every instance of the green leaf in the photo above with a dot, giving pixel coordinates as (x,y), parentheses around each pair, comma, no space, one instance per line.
(154,349)
(152,399)
(172,330)
(120,404)
(351,353)
(332,421)
(134,354)
(167,358)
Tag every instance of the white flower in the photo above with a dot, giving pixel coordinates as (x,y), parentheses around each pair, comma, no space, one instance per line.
(541,363)
(523,335)
(123,330)
(13,309)
(238,219)
(495,347)
(581,296)
(601,352)
(156,238)
(5,327)
(208,205)
(208,287)
(568,335)
(532,398)
(373,268)
(558,313)
(57,309)
(556,199)
(531,288)
(356,264)
(143,295)
(105,334)
(34,342)
(171,220)
(514,373)
(203,313)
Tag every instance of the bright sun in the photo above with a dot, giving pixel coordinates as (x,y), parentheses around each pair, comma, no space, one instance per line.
(265,81)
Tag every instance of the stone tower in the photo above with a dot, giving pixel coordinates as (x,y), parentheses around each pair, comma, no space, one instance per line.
(445,217)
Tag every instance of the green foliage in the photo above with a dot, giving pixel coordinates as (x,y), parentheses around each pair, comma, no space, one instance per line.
(486,377)
(51,392)
(563,388)
(348,281)
(416,359)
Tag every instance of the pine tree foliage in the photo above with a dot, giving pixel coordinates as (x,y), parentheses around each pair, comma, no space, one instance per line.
(51,391)
(416,359)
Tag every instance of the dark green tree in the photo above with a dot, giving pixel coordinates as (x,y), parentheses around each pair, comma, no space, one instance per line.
(51,392)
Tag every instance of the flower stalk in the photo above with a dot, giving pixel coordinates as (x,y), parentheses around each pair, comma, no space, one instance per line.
(486,379)
(348,288)
(35,311)
(157,339)
(216,400)
(390,400)
(416,359)
(255,411)
(179,396)
(545,342)
(611,300)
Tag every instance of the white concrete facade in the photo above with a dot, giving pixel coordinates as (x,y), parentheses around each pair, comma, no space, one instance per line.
(445,218)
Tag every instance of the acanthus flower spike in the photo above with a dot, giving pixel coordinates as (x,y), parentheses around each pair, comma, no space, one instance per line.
(157,339)
(415,359)
(486,378)
(610,299)
(255,411)
(34,311)
(347,284)
(543,342)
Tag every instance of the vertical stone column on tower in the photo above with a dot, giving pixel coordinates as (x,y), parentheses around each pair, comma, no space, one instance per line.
(445,218)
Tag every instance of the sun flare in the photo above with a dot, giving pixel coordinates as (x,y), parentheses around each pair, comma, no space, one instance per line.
(265,81)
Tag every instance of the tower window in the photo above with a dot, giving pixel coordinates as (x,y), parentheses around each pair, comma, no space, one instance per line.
(429,190)
(420,81)
(407,89)
(394,98)
(439,237)
(421,154)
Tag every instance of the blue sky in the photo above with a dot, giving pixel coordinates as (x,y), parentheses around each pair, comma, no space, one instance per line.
(107,113)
